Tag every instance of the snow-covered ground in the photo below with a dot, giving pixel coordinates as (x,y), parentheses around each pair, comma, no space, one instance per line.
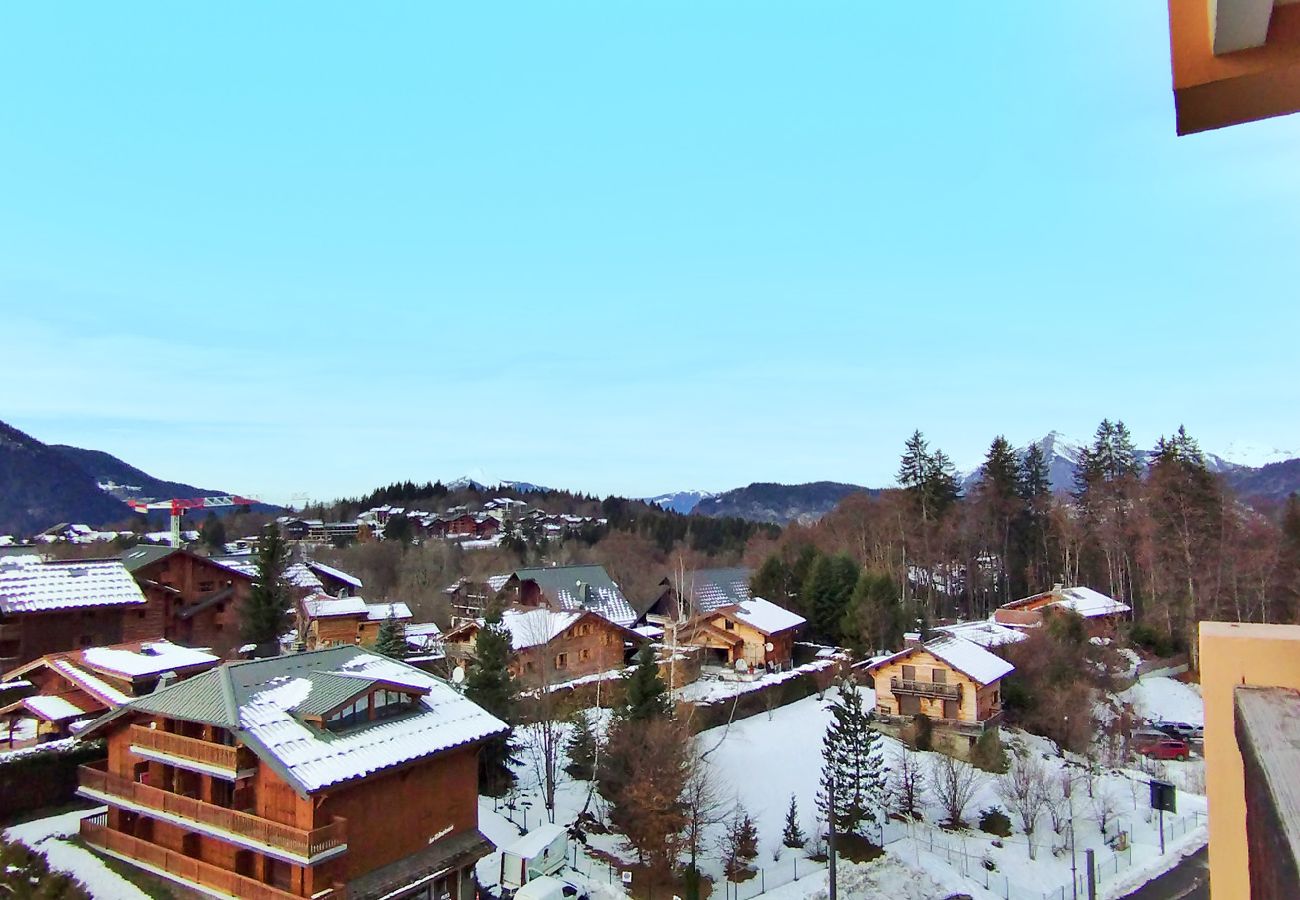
(763,760)
(712,687)
(1159,698)
(47,836)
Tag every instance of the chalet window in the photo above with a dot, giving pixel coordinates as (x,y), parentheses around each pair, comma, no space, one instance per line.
(731,626)
(583,654)
(562,661)
(909,673)
(205,586)
(939,676)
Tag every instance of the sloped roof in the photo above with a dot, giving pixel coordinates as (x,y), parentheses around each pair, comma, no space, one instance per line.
(142,555)
(964,656)
(30,585)
(536,627)
(262,701)
(297,575)
(582,587)
(714,588)
(382,611)
(1090,604)
(986,633)
(763,615)
(144,659)
(330,571)
(323,606)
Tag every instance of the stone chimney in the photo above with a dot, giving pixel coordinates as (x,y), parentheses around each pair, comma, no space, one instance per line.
(911,639)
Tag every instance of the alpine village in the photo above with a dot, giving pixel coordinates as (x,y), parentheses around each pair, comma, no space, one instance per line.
(963,685)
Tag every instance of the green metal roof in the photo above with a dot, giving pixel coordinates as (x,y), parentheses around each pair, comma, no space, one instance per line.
(145,554)
(329,690)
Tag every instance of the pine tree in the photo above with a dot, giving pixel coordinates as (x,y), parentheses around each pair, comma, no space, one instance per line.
(266,612)
(875,619)
(1034,480)
(644,695)
(793,835)
(391,640)
(581,747)
(490,685)
(772,581)
(213,534)
(827,594)
(852,764)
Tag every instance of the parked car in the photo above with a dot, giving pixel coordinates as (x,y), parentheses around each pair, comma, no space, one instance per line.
(1178,729)
(1163,747)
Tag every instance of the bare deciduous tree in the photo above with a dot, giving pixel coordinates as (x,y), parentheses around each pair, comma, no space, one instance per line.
(954,783)
(906,783)
(1104,806)
(1025,788)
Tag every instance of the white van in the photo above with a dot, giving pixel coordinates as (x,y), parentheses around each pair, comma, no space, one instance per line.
(548,887)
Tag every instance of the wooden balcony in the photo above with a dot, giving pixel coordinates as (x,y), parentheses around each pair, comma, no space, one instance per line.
(304,847)
(199,874)
(200,752)
(959,726)
(925,688)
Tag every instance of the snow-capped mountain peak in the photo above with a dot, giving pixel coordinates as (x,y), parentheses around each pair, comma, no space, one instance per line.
(683,502)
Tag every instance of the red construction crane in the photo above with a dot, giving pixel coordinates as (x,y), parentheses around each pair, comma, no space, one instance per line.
(178,507)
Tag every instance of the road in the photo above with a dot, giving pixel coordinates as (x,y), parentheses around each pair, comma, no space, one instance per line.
(1189,880)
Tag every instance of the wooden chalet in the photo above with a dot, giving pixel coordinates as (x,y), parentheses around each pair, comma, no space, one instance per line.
(325,621)
(705,590)
(755,631)
(571,589)
(72,688)
(199,600)
(327,775)
(549,646)
(49,607)
(469,597)
(955,682)
(1102,614)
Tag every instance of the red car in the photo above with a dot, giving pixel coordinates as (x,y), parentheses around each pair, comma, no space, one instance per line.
(1164,748)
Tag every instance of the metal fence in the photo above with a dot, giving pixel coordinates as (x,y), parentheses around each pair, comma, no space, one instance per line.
(773,876)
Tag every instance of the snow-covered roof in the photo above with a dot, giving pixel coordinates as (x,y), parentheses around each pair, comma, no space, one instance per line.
(582,588)
(985,633)
(423,629)
(496,582)
(535,841)
(974,660)
(323,606)
(1089,603)
(89,682)
(260,699)
(151,658)
(964,656)
(715,588)
(297,575)
(764,615)
(381,611)
(332,572)
(535,627)
(53,709)
(29,585)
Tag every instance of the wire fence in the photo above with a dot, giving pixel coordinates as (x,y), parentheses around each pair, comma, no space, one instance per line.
(765,878)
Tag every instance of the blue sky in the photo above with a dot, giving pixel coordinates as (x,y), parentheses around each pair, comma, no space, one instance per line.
(632,247)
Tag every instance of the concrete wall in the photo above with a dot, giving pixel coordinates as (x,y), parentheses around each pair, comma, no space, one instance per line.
(1233,654)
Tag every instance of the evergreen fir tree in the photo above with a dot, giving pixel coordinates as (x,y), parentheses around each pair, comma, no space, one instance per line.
(793,835)
(799,572)
(266,613)
(827,594)
(213,534)
(851,757)
(391,640)
(581,748)
(490,684)
(772,581)
(1000,473)
(1034,480)
(875,619)
(645,696)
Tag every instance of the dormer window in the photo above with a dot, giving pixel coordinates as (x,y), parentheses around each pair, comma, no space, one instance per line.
(371,706)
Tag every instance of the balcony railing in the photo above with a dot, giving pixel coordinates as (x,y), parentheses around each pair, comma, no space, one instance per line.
(95,831)
(960,726)
(296,842)
(925,688)
(206,753)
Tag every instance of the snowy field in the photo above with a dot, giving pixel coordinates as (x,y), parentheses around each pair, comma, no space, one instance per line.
(47,836)
(764,759)
(1160,698)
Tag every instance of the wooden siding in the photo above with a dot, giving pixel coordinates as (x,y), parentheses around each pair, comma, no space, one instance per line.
(918,685)
(192,579)
(755,651)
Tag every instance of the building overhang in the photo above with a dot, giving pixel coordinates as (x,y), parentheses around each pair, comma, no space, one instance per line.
(1234,61)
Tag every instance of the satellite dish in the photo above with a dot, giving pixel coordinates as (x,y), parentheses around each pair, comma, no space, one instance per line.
(768,647)
(458,675)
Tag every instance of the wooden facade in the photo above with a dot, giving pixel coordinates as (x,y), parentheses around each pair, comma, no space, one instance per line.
(28,636)
(188,801)
(919,682)
(727,639)
(591,644)
(196,601)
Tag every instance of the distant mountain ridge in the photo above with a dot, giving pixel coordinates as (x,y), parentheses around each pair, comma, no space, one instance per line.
(684,502)
(780,503)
